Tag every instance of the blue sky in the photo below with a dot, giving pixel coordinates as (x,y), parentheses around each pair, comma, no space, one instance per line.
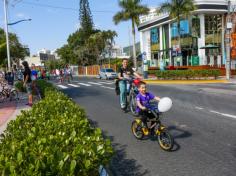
(54,20)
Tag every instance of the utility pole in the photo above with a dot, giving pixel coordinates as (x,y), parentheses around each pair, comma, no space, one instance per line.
(227,42)
(6,33)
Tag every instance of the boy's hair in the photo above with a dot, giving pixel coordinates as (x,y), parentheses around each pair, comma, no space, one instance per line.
(141,83)
(125,59)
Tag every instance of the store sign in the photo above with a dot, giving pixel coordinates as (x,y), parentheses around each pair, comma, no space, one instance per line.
(233,49)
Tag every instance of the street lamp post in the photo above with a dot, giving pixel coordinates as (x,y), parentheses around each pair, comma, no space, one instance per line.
(7,39)
(227,42)
(6,33)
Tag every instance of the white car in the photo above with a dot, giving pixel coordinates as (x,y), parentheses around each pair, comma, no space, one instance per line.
(107,73)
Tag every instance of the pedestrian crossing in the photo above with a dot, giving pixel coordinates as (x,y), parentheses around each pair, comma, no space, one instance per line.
(77,84)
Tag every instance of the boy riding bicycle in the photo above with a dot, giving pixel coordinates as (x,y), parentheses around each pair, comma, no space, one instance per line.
(143,101)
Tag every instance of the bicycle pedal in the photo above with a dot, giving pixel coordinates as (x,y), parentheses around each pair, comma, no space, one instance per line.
(145,131)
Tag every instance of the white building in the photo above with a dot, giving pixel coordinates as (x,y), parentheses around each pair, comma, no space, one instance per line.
(43,51)
(116,52)
(33,60)
(206,26)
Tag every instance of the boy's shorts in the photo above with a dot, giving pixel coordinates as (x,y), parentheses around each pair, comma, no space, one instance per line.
(29,88)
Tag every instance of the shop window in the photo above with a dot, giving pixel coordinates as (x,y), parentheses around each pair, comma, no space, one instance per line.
(213,28)
(155,39)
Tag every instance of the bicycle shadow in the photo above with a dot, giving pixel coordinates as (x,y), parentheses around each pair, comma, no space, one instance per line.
(176,133)
(120,164)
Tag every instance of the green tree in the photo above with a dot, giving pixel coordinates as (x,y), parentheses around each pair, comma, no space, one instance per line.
(17,50)
(178,9)
(54,64)
(85,17)
(131,10)
(67,54)
(98,42)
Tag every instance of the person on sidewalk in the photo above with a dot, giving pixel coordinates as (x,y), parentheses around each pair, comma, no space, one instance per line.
(27,82)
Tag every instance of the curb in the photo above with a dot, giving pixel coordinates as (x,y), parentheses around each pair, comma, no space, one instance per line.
(185,81)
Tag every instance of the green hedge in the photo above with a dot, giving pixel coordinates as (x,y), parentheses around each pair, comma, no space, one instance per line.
(42,85)
(19,86)
(53,138)
(186,74)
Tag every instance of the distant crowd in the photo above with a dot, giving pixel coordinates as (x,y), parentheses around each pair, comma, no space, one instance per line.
(62,74)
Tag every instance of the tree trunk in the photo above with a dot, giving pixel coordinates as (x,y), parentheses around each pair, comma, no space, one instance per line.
(134,48)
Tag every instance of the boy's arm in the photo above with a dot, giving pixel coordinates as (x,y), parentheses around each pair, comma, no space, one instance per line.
(157,98)
(140,106)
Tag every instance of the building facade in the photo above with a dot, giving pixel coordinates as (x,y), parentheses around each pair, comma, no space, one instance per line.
(202,36)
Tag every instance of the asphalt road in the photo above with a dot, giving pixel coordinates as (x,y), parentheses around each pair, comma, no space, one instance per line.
(202,122)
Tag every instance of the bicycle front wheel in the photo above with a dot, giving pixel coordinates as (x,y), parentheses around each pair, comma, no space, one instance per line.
(165,140)
(133,104)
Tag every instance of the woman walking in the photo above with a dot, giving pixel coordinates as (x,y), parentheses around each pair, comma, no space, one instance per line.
(27,82)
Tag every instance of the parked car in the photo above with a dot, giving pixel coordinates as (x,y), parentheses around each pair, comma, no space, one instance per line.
(107,73)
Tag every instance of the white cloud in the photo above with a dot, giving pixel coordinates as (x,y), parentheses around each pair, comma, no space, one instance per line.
(21,15)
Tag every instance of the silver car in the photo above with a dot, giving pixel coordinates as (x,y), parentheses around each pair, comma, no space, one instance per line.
(107,73)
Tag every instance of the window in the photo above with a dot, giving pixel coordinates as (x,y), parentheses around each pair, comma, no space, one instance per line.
(213,28)
(184,28)
(154,35)
(109,70)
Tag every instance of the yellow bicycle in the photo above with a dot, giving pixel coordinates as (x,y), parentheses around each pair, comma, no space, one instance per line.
(153,127)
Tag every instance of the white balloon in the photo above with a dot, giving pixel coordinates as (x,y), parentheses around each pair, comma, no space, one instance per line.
(164,104)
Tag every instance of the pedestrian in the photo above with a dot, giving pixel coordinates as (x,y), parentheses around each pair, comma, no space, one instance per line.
(61,76)
(67,73)
(124,75)
(19,74)
(57,74)
(27,82)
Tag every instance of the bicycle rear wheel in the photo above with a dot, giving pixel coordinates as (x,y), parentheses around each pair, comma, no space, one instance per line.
(137,130)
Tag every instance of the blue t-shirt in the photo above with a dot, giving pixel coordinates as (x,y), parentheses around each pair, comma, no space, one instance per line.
(144,100)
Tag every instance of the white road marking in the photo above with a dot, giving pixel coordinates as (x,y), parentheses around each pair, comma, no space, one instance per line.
(83,84)
(106,82)
(95,83)
(198,107)
(63,87)
(108,87)
(73,85)
(223,114)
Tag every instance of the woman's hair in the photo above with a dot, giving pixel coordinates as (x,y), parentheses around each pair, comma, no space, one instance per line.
(25,64)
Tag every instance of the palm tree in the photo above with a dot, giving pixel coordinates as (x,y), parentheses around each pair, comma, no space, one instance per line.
(178,9)
(131,10)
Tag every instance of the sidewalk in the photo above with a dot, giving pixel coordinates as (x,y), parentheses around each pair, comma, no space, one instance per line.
(10,109)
